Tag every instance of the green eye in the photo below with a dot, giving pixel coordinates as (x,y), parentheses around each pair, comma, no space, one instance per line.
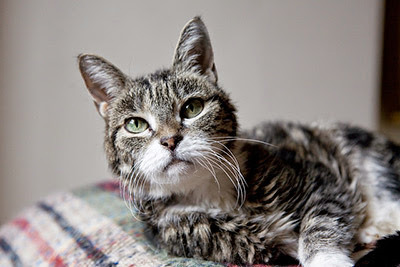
(136,125)
(192,108)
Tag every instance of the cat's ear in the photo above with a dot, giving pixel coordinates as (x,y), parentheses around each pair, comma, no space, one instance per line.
(103,80)
(194,51)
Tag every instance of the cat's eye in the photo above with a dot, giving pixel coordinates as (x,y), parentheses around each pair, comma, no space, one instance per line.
(136,125)
(192,108)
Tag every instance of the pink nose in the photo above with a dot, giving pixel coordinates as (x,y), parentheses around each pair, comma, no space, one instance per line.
(171,141)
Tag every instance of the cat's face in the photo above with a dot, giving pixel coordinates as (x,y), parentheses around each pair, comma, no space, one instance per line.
(164,128)
(164,125)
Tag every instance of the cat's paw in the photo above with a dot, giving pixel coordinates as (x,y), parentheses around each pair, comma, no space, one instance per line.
(324,259)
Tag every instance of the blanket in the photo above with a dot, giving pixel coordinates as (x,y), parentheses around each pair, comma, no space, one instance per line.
(90,226)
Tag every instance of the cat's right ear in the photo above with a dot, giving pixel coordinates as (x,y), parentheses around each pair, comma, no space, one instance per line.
(103,80)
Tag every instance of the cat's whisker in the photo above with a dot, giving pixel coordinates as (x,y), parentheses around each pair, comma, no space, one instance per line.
(141,193)
(226,151)
(122,189)
(210,168)
(133,181)
(126,183)
(230,154)
(198,157)
(133,190)
(222,164)
(234,138)
(132,186)
(139,186)
(220,159)
(239,177)
(218,163)
(133,200)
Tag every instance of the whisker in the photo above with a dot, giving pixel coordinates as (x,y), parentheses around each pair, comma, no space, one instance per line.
(232,156)
(210,168)
(235,165)
(130,197)
(141,192)
(227,151)
(122,190)
(133,182)
(230,176)
(232,166)
(128,183)
(234,138)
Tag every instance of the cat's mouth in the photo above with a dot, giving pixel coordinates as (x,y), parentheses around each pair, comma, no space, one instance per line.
(176,162)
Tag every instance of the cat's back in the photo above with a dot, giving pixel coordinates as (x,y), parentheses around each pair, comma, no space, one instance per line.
(338,139)
(308,142)
(346,149)
(364,158)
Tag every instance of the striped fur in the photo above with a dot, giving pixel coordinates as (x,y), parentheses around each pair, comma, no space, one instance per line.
(312,192)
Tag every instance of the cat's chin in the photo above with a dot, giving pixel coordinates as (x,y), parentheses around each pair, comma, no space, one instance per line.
(176,167)
(180,178)
(174,172)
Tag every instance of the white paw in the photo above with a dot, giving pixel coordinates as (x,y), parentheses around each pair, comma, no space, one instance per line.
(368,235)
(330,259)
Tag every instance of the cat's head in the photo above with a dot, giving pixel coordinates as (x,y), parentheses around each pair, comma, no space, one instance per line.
(164,128)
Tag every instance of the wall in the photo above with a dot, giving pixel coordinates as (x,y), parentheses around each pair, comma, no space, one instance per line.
(297,60)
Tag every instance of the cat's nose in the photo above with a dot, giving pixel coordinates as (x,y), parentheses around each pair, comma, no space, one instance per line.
(171,142)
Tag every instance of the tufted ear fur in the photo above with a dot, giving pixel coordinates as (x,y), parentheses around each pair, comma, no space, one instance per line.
(103,80)
(194,52)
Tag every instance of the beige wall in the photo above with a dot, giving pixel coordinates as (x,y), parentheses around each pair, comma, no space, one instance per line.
(298,60)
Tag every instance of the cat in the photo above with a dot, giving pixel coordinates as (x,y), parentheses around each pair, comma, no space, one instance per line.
(207,190)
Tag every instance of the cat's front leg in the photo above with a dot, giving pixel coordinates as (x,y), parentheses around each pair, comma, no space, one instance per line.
(211,236)
(326,236)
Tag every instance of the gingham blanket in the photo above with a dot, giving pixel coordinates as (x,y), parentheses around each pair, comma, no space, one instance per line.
(89,226)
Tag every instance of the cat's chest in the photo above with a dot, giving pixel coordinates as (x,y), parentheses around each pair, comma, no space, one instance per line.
(209,196)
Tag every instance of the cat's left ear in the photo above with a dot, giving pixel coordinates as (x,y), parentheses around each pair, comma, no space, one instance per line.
(194,52)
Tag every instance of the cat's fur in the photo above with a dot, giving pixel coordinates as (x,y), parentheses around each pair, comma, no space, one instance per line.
(312,192)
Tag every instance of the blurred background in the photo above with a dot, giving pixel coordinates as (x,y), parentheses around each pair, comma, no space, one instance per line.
(295,60)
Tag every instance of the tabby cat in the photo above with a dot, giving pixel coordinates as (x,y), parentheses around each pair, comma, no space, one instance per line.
(311,192)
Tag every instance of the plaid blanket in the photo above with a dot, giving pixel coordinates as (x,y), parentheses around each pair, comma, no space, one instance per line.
(89,226)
